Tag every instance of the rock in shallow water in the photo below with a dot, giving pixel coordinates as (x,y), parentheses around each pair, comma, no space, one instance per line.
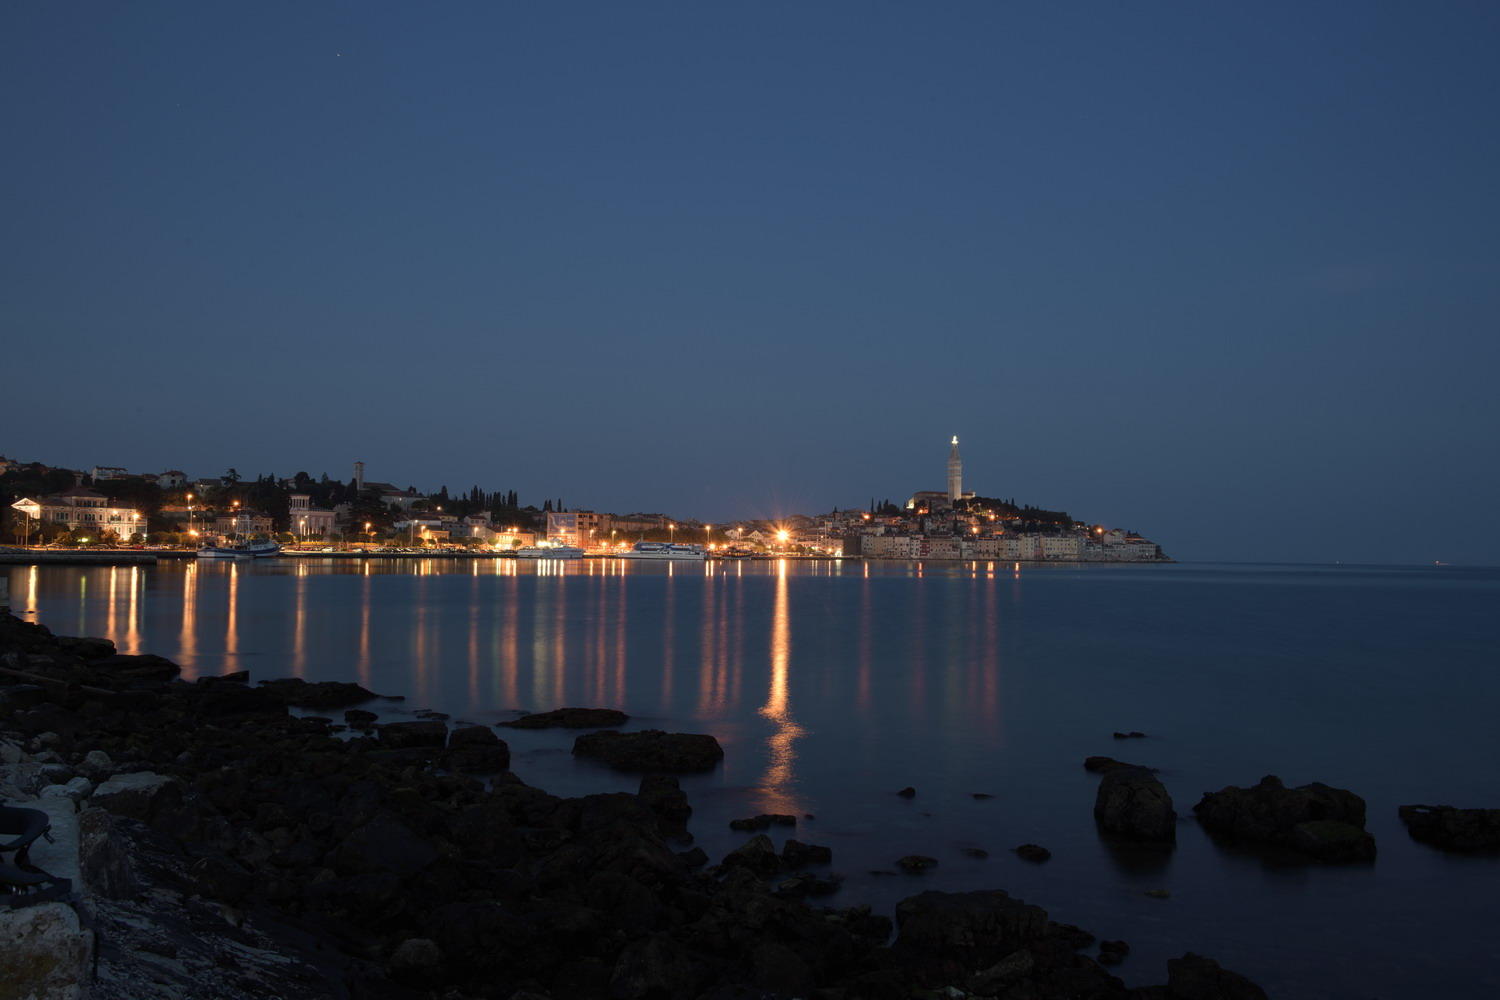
(1453,829)
(1033,852)
(1134,805)
(651,750)
(1323,823)
(570,718)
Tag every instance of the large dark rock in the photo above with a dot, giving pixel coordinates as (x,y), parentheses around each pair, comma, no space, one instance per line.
(965,930)
(1134,805)
(664,796)
(756,855)
(413,735)
(86,648)
(1193,977)
(320,694)
(570,718)
(1323,823)
(1453,829)
(385,844)
(651,750)
(145,667)
(104,855)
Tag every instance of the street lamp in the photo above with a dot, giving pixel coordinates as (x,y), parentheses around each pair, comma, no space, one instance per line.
(304,529)
(368,534)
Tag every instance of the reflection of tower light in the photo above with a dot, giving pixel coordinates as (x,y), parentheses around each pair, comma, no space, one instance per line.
(778,777)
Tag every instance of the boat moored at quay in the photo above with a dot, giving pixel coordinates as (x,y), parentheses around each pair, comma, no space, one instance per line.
(241,550)
(665,550)
(546,551)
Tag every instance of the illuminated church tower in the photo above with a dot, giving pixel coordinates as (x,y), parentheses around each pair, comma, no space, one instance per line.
(955,472)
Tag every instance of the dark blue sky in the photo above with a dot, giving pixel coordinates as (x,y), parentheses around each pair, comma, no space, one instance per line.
(1223,273)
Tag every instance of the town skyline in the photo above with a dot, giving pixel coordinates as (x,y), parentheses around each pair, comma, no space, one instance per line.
(1244,301)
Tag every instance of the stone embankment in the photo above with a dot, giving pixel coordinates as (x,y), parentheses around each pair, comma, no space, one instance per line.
(228,847)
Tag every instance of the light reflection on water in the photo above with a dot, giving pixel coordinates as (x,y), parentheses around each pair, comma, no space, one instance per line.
(832,685)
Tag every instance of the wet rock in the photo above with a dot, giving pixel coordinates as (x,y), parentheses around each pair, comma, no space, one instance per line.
(1193,977)
(146,667)
(1333,842)
(980,795)
(651,750)
(1133,804)
(221,878)
(476,750)
(1158,893)
(86,648)
(465,736)
(1033,852)
(762,822)
(1271,813)
(298,693)
(1453,829)
(977,853)
(1132,735)
(1113,952)
(916,863)
(908,792)
(757,855)
(796,854)
(359,717)
(693,858)
(413,735)
(1011,970)
(662,794)
(570,718)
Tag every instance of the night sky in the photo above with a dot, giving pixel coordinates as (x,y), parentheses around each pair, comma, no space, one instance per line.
(1226,274)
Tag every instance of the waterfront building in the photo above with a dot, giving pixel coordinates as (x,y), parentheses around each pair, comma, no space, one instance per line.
(243,523)
(577,527)
(308,521)
(82,508)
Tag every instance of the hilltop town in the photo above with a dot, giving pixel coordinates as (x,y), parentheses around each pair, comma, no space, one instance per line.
(114,507)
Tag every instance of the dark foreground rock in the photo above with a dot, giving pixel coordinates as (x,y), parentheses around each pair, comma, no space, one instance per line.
(651,750)
(1322,823)
(1453,829)
(1134,805)
(570,718)
(243,853)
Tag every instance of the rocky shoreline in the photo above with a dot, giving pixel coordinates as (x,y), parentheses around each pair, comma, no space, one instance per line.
(231,848)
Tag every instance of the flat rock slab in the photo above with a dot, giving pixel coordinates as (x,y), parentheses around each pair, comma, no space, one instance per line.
(651,750)
(136,795)
(60,856)
(570,718)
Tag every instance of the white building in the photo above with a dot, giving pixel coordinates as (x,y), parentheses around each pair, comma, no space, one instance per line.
(308,521)
(108,472)
(172,479)
(83,508)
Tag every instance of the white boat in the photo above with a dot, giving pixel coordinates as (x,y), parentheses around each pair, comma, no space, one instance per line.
(241,550)
(543,550)
(665,550)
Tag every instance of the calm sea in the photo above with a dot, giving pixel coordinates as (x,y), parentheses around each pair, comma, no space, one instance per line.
(834,685)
